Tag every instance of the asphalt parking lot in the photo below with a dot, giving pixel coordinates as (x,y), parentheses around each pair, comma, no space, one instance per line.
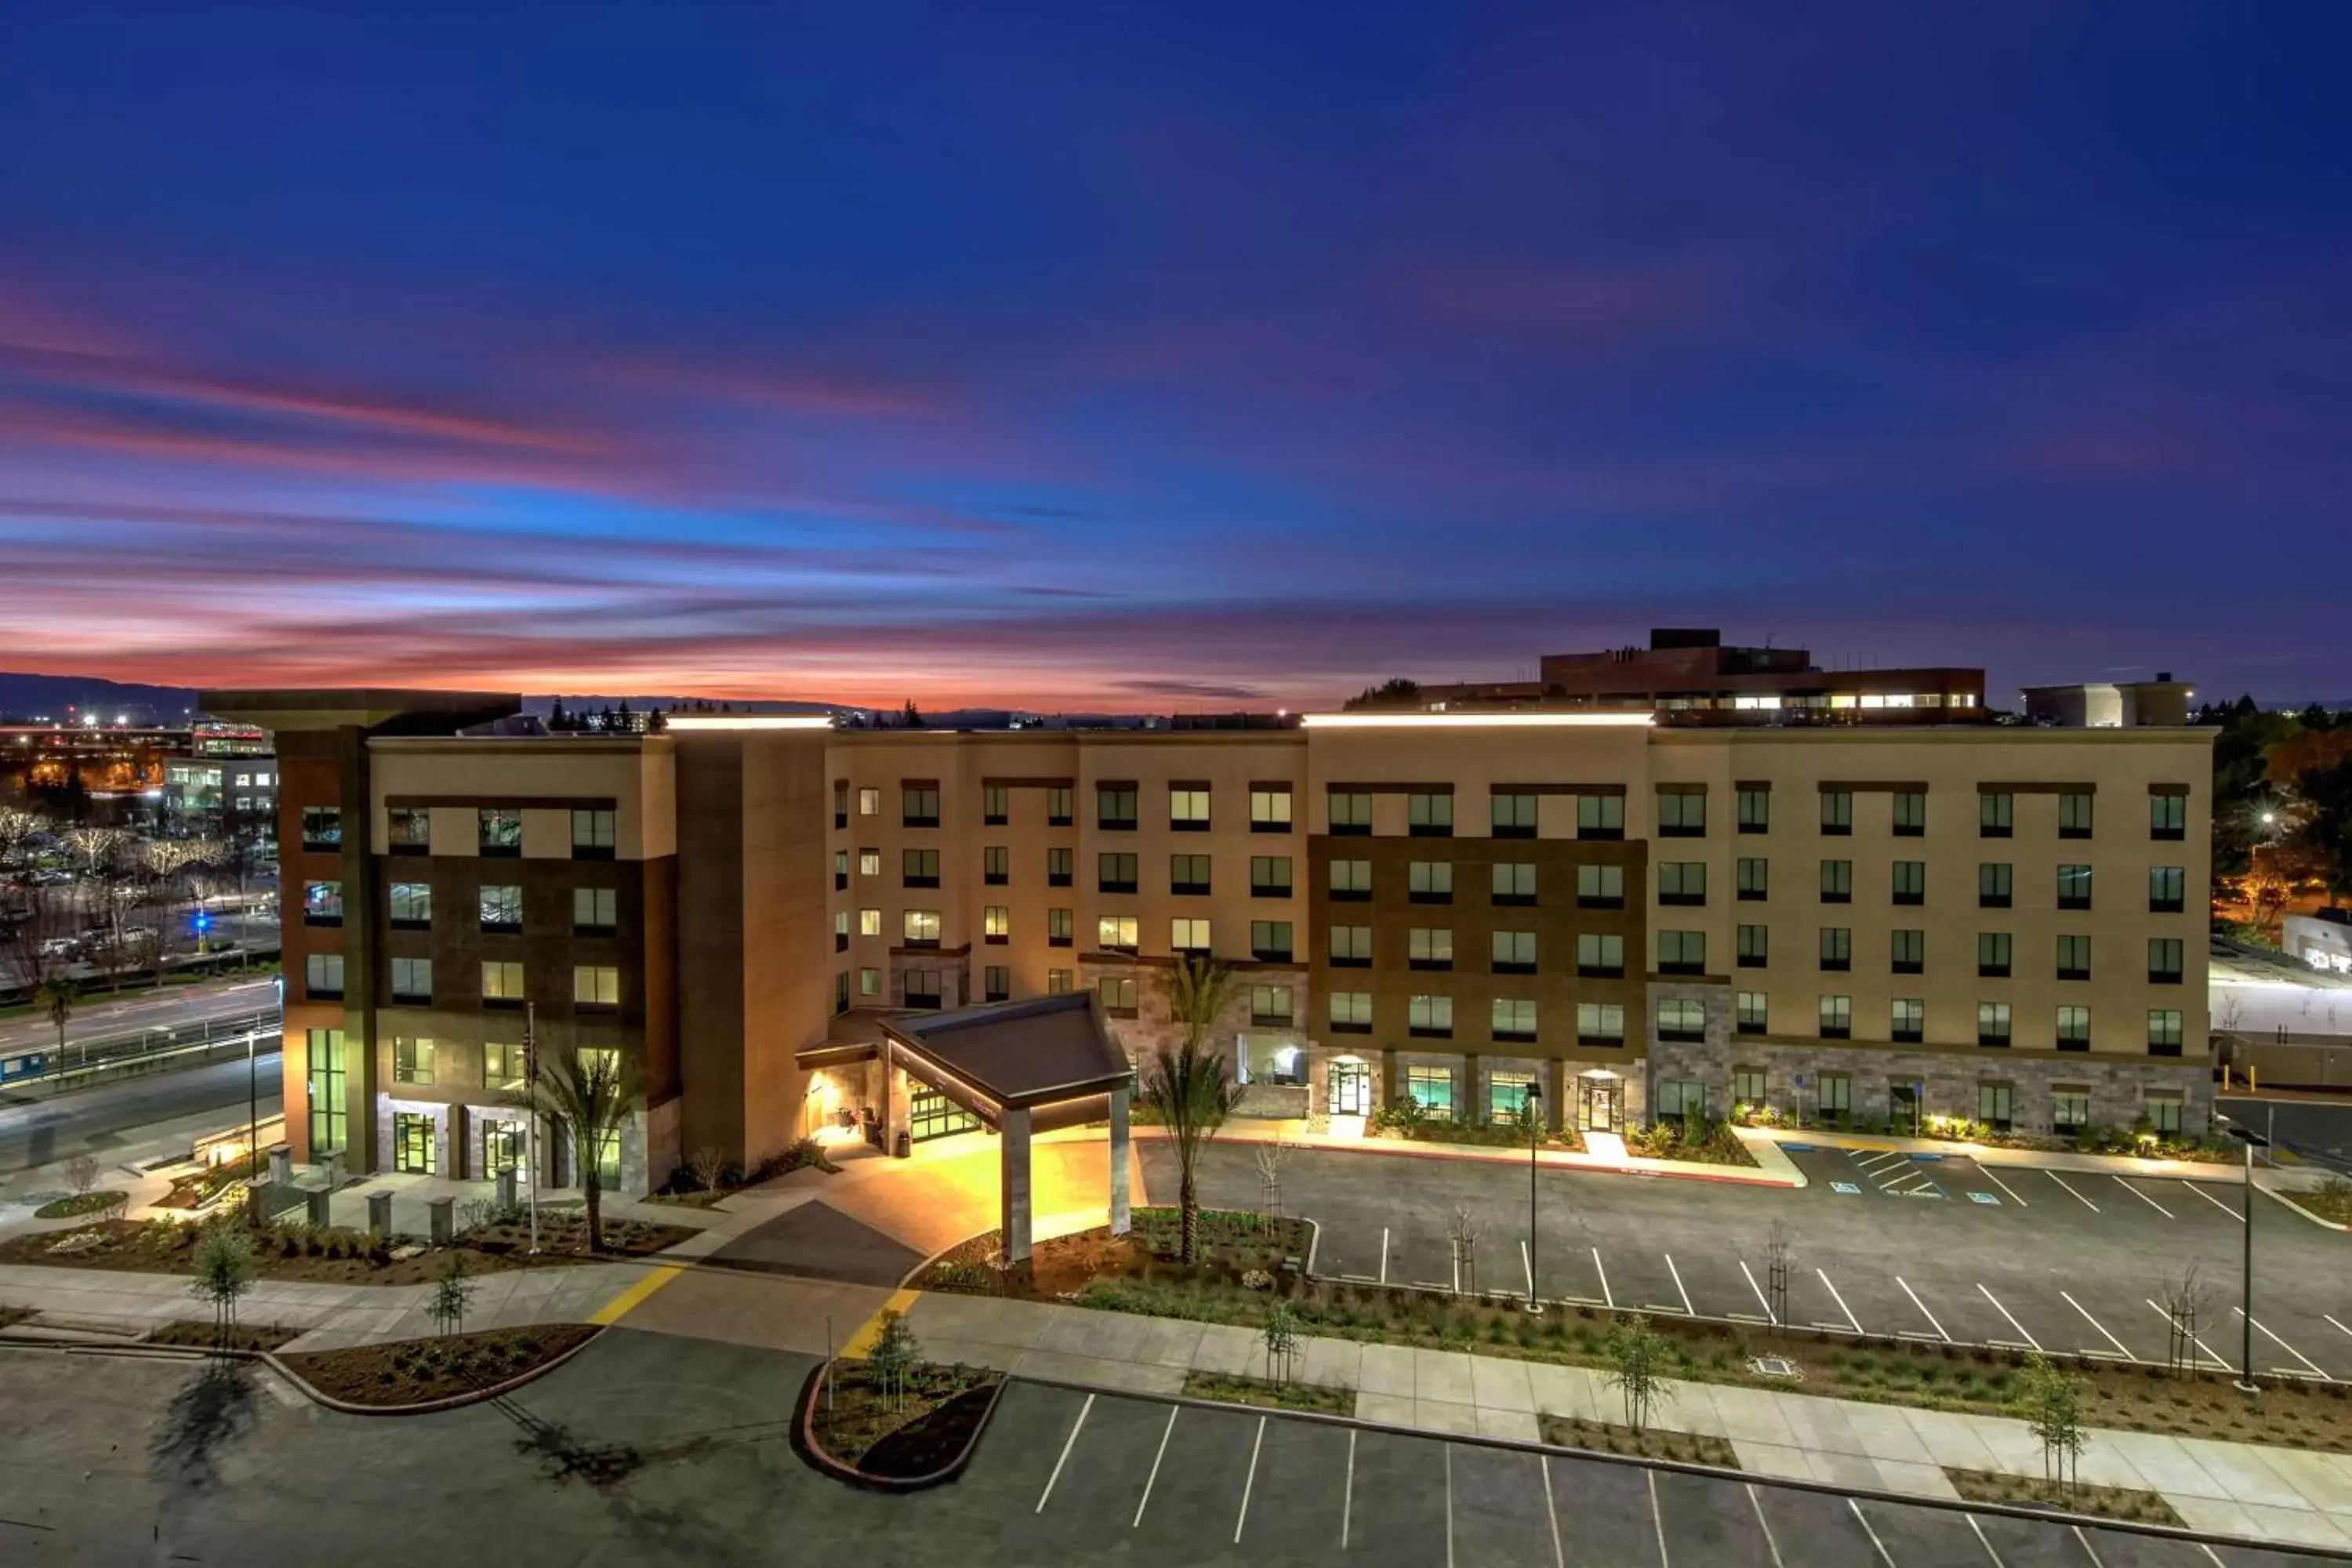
(1938,1250)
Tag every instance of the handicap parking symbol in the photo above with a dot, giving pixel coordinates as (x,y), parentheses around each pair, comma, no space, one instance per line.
(1847,1187)
(1984,1198)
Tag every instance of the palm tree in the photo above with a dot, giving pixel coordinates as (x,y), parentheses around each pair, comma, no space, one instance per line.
(1189,1087)
(56,995)
(589,1093)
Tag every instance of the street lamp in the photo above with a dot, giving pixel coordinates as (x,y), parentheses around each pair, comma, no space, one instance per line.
(2253,1141)
(1531,1107)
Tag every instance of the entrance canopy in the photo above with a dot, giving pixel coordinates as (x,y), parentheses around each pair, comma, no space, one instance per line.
(1051,1056)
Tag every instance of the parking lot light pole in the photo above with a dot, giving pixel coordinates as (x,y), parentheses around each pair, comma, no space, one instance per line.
(2253,1141)
(1532,1109)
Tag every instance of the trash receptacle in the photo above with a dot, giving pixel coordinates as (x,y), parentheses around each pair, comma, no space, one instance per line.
(905,1147)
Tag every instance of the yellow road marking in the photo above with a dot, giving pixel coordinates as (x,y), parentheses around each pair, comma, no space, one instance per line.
(622,1304)
(871,1329)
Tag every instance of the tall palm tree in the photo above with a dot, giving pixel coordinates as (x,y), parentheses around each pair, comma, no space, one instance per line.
(1188,1085)
(57,994)
(589,1093)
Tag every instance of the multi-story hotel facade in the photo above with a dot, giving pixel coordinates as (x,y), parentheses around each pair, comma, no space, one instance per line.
(1637,918)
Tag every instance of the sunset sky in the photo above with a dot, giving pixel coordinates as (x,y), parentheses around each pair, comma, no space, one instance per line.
(1196,356)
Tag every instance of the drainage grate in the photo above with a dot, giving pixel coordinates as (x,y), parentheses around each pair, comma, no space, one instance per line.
(1774,1366)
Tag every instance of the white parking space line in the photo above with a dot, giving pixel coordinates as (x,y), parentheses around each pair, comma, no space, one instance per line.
(1610,1302)
(1067,1443)
(2004,1312)
(1841,1302)
(2212,1556)
(1449,1505)
(2338,1325)
(1249,1481)
(1551,1512)
(2096,1324)
(1923,1310)
(1688,1311)
(1997,1562)
(2083,1542)
(1145,1500)
(1384,1261)
(2142,1196)
(1765,1525)
(2216,1362)
(1771,1317)
(1657,1523)
(2020,1203)
(1348,1491)
(1528,1262)
(2199,1188)
(2284,1345)
(2077,1197)
(1864,1520)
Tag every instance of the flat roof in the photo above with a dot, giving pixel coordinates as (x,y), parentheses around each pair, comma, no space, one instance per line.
(1040,1051)
(327,708)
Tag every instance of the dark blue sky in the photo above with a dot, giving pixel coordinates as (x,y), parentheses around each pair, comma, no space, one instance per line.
(1175,356)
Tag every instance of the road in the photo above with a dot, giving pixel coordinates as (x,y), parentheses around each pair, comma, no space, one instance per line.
(2319,1130)
(100,1120)
(172,1006)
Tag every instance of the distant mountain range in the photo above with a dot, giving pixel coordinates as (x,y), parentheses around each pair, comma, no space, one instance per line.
(27,697)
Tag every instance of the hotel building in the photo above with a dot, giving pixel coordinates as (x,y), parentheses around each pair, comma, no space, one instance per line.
(1641,916)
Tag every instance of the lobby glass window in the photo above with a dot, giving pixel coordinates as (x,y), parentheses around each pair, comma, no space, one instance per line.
(1115,873)
(1994,951)
(997,983)
(504,1065)
(870,862)
(2074,958)
(1512,1018)
(1837,947)
(1117,994)
(1600,816)
(1188,933)
(2168,816)
(499,830)
(1431,1088)
(1907,952)
(2074,814)
(1837,881)
(412,905)
(1512,883)
(1430,1018)
(1752,1014)
(1351,880)
(1682,812)
(1512,951)
(869,803)
(1755,810)
(411,829)
(1350,947)
(1833,1096)
(1270,1006)
(1682,1019)
(919,805)
(1598,1024)
(2165,889)
(1752,878)
(502,983)
(1060,927)
(411,979)
(1270,810)
(1837,813)
(412,1060)
(1057,982)
(1188,810)
(323,903)
(1992,1022)
(1679,1098)
(1188,874)
(1512,815)
(323,827)
(1910,881)
(1429,947)
(595,985)
(1748,1086)
(1061,805)
(920,928)
(1507,1097)
(1115,809)
(1429,816)
(1430,881)
(1752,946)
(2163,1108)
(995,805)
(2070,1108)
(996,923)
(1270,877)
(2073,1028)
(2164,1031)
(1994,885)
(2164,960)
(1270,940)
(1907,1021)
(1057,867)
(1837,1017)
(869,923)
(2073,887)
(1117,933)
(1682,882)
(869,983)
(1599,954)
(592,834)
(1682,952)
(500,906)
(1351,1011)
(996,866)
(1350,812)
(1910,814)
(1601,886)
(1995,1105)
(322,976)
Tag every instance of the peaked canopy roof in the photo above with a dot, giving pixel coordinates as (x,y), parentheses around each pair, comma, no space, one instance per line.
(1041,1051)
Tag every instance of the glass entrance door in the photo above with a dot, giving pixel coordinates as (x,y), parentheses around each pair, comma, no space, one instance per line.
(1903,1109)
(1352,1089)
(1597,1102)
(412,1143)
(502,1147)
(931,1114)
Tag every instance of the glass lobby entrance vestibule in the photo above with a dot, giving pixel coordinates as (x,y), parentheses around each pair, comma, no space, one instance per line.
(1599,1102)
(1352,1089)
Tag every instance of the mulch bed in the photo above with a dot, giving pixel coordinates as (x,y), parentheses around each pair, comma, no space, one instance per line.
(1231,1246)
(340,1257)
(1650,1443)
(80,1204)
(1288,1395)
(934,1421)
(194,1334)
(2032,1491)
(412,1371)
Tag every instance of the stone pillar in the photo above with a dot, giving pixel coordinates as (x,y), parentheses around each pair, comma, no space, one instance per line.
(321,1213)
(1121,1215)
(1390,1077)
(1013,1152)
(1472,1106)
(444,1220)
(334,1169)
(506,1189)
(282,1166)
(380,1213)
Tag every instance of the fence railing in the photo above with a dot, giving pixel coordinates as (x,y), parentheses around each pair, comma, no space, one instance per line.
(93,1057)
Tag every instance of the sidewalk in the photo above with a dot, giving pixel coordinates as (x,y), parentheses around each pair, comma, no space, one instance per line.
(2289,1178)
(1604,1153)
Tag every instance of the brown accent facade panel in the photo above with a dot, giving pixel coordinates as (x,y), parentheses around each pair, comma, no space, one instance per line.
(1871,786)
(1615,789)
(2037,788)
(517,801)
(1274,784)
(1190,783)
(990,782)
(1440,787)
(1682,789)
(2168,789)
(1117,784)
(1746,784)
(961,950)
(919,784)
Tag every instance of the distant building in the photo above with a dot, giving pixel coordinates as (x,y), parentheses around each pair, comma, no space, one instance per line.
(2111,704)
(2323,940)
(225,784)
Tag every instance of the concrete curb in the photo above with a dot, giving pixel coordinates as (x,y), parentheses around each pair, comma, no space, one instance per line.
(1997,1157)
(1636,1165)
(811,1450)
(2276,1193)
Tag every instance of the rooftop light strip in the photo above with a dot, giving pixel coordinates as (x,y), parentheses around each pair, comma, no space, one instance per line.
(707,721)
(1476,720)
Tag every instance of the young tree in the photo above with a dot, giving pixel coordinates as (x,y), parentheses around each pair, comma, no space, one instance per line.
(1188,1085)
(81,1174)
(893,1359)
(452,1294)
(1268,1158)
(707,1165)
(1461,1230)
(1637,1355)
(1280,1336)
(590,1094)
(2053,1410)
(224,1272)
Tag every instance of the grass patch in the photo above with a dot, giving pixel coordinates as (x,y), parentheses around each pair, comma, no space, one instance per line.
(1234,1248)
(2032,1491)
(2331,1200)
(191,1333)
(82,1204)
(1650,1443)
(924,1428)
(1291,1395)
(410,1372)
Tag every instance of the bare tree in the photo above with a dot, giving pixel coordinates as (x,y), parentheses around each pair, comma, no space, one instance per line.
(1268,1158)
(2187,1299)
(17,825)
(1777,1258)
(1462,1231)
(97,848)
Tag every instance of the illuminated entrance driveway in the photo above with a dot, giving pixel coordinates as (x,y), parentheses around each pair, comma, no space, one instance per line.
(1023,1067)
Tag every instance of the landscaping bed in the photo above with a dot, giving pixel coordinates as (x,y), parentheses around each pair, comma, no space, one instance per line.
(82,1204)
(1650,1443)
(1233,1246)
(1284,1395)
(2139,1142)
(1700,1140)
(201,1335)
(708,1178)
(2331,1200)
(2032,1491)
(415,1372)
(337,1255)
(198,1188)
(1405,1119)
(924,1429)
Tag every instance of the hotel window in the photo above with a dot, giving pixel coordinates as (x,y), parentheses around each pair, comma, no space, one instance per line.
(1512,815)
(1188,808)
(1350,812)
(1682,882)
(323,827)
(1115,809)
(1512,1018)
(1750,1011)
(1837,1017)
(1430,1018)
(2074,958)
(1681,1018)
(1600,1024)
(1996,814)
(1748,1086)
(869,923)
(869,983)
(1057,867)
(1837,813)
(1429,816)
(1910,814)
(411,829)
(1600,955)
(1833,1096)
(1512,883)
(1430,881)
(1600,816)
(1907,1022)
(870,862)
(1187,933)
(2164,954)
(1432,1089)
(1910,881)
(502,983)
(1270,1006)
(1993,954)
(1755,809)
(1993,885)
(922,988)
(995,805)
(1188,874)
(1837,947)
(1270,809)
(1429,947)
(322,976)
(1351,1011)
(1115,933)
(504,1065)
(919,805)
(595,985)
(1350,947)
(995,866)
(411,981)
(1752,948)
(920,928)
(1061,805)
(2164,1031)
(1907,952)
(2168,816)
(2164,884)
(415,1143)
(1270,940)
(412,905)
(1269,876)
(2073,1028)
(1060,929)
(412,1060)
(1753,878)
(1682,811)
(997,983)
(996,924)
(841,805)
(1512,951)
(501,909)
(1992,1022)
(1680,1097)
(1115,873)
(2163,1107)
(2073,887)
(2074,814)
(323,903)
(869,803)
(840,870)
(1351,880)
(1682,952)
(592,834)
(841,932)
(1996,1104)
(1057,982)
(1837,881)
(499,830)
